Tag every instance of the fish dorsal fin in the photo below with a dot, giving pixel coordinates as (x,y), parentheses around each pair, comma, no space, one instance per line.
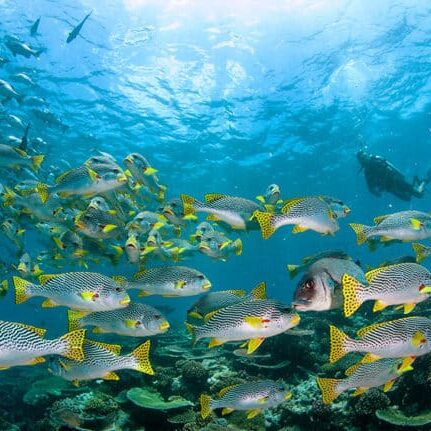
(209,315)
(238,292)
(113,348)
(38,331)
(352,369)
(259,292)
(290,203)
(371,275)
(45,278)
(370,328)
(379,219)
(61,177)
(120,279)
(22,153)
(211,197)
(226,389)
(140,274)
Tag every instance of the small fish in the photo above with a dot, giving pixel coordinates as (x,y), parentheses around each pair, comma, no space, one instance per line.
(320,287)
(236,212)
(404,226)
(34,28)
(217,246)
(271,198)
(202,229)
(180,248)
(204,307)
(136,320)
(17,47)
(15,121)
(22,344)
(253,397)
(422,251)
(101,360)
(403,283)
(169,281)
(14,232)
(132,247)
(408,338)
(12,157)
(26,268)
(49,118)
(338,207)
(98,224)
(74,33)
(23,79)
(101,159)
(99,203)
(84,291)
(311,212)
(144,221)
(253,320)
(144,174)
(70,244)
(84,181)
(363,377)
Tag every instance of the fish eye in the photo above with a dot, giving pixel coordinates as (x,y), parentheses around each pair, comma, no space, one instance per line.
(116,171)
(138,323)
(157,316)
(173,204)
(96,296)
(309,284)
(201,277)
(118,289)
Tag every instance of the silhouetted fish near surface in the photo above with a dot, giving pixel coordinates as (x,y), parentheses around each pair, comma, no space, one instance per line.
(74,33)
(35,27)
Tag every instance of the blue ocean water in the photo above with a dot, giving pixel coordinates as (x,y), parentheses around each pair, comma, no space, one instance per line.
(229,97)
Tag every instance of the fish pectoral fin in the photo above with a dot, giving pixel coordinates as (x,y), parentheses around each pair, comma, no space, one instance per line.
(213,217)
(130,323)
(406,365)
(48,303)
(111,376)
(408,308)
(378,306)
(298,229)
(359,391)
(254,321)
(262,400)
(385,238)
(37,360)
(87,296)
(388,385)
(415,224)
(75,383)
(144,293)
(253,413)
(418,339)
(99,330)
(226,411)
(369,357)
(215,342)
(253,344)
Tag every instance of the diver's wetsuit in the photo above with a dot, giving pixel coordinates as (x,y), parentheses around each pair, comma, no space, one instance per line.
(382,176)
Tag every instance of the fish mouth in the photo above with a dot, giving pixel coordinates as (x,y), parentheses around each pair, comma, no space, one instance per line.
(206,285)
(347,210)
(168,211)
(275,190)
(129,159)
(164,326)
(204,247)
(125,301)
(22,267)
(301,304)
(122,178)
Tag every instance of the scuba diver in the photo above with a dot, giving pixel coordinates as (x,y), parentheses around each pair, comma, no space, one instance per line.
(382,176)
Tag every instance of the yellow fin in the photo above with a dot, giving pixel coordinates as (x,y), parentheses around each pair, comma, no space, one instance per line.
(43,279)
(253,344)
(142,356)
(379,219)
(113,348)
(406,364)
(215,342)
(226,389)
(359,391)
(150,171)
(42,191)
(120,279)
(329,389)
(38,331)
(359,230)
(238,292)
(93,174)
(73,344)
(338,341)
(211,197)
(352,369)
(260,198)
(370,357)
(144,293)
(205,401)
(99,330)
(370,328)
(49,303)
(21,289)
(253,413)
(386,238)
(237,245)
(420,251)
(293,270)
(188,204)
(210,314)
(130,323)
(352,294)
(111,376)
(254,321)
(298,229)
(37,360)
(213,217)
(371,275)
(418,339)
(140,274)
(378,306)
(416,224)
(109,228)
(408,308)
(259,292)
(226,411)
(388,385)
(195,315)
(265,221)
(87,296)
(291,203)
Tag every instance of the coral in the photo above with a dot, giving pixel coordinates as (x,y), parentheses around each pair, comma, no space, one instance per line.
(150,399)
(193,372)
(182,418)
(369,402)
(43,390)
(395,417)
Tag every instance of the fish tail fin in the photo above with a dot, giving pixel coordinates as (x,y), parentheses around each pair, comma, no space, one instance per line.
(161,193)
(71,344)
(42,191)
(73,319)
(22,289)
(293,270)
(205,401)
(188,204)
(419,250)
(360,231)
(9,196)
(338,344)
(265,221)
(36,161)
(329,389)
(237,246)
(352,290)
(141,355)
(192,331)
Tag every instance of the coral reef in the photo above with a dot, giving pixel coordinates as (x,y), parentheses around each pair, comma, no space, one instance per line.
(395,417)
(152,400)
